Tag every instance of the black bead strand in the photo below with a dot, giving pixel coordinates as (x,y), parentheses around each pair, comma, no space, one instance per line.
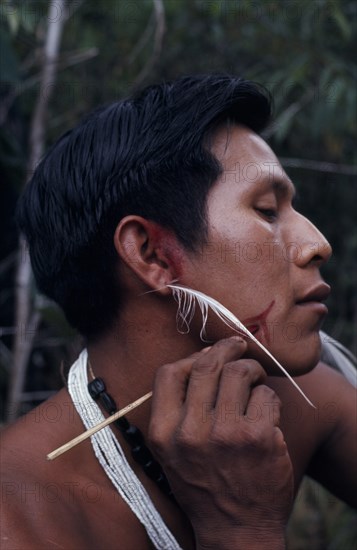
(133,436)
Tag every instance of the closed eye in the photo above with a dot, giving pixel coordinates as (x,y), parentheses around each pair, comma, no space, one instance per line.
(269,213)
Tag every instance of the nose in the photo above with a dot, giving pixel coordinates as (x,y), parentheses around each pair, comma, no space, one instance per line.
(314,248)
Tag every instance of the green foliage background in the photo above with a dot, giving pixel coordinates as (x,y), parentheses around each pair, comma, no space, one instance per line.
(303,51)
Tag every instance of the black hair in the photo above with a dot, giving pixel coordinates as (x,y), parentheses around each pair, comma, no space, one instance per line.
(146,155)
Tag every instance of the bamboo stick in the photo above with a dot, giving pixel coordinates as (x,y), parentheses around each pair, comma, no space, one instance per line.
(67,446)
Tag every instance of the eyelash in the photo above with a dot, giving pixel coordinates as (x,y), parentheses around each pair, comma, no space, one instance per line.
(269,213)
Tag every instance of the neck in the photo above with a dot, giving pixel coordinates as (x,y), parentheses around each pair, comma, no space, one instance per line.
(128,356)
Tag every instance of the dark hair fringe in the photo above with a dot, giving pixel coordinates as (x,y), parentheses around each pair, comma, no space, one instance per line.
(146,155)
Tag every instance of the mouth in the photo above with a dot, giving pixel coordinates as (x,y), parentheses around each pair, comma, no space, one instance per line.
(315,297)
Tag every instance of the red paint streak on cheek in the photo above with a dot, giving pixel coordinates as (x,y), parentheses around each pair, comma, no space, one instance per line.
(260,322)
(167,243)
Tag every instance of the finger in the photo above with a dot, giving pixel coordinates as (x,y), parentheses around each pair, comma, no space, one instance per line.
(206,372)
(169,391)
(236,383)
(264,405)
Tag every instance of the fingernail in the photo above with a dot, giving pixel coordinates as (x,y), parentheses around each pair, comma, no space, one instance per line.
(204,350)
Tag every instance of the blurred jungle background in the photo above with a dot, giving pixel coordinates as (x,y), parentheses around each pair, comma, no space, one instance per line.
(59,60)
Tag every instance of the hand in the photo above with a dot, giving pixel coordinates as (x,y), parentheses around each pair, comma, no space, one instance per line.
(214,428)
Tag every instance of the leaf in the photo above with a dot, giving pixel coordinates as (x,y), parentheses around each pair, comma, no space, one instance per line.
(342,23)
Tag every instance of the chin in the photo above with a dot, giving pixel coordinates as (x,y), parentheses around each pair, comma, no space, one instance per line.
(304,358)
(297,358)
(297,368)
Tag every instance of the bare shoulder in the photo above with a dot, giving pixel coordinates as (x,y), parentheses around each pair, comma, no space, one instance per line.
(67,503)
(333,397)
(335,400)
(322,440)
(27,486)
(21,526)
(326,383)
(335,462)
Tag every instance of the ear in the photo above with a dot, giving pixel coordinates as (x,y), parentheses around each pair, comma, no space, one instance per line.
(147,250)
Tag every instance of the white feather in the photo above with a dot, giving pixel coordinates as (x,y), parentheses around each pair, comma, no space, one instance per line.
(187,298)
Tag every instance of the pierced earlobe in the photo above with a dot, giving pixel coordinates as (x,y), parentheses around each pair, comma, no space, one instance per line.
(144,251)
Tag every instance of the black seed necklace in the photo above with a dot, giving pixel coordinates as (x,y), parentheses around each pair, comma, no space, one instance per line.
(132,435)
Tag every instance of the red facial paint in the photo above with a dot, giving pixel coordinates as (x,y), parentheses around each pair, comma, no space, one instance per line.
(257,322)
(166,242)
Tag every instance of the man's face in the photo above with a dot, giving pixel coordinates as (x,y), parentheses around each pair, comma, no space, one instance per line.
(262,258)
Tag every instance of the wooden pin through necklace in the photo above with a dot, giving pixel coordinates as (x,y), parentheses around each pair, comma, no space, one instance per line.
(82,437)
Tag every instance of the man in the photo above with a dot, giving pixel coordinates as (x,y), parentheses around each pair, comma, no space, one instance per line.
(176,186)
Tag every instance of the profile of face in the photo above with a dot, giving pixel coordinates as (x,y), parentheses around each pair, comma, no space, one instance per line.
(262,259)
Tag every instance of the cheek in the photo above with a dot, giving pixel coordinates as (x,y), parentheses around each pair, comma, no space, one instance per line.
(243,267)
(249,244)
(249,268)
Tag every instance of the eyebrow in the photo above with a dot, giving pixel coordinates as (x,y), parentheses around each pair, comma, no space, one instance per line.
(281,186)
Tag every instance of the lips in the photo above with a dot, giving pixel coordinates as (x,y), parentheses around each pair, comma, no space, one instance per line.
(313,300)
(317,294)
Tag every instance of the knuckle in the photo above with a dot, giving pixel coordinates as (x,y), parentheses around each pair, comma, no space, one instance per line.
(244,368)
(227,342)
(263,392)
(256,367)
(239,369)
(203,367)
(167,373)
(185,438)
(166,370)
(219,437)
(249,437)
(275,401)
(252,437)
(279,439)
(232,343)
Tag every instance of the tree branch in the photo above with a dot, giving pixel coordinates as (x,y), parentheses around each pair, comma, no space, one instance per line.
(320,166)
(289,113)
(16,91)
(158,40)
(25,319)
(143,40)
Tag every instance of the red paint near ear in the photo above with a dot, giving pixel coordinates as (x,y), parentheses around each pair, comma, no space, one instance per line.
(166,242)
(260,322)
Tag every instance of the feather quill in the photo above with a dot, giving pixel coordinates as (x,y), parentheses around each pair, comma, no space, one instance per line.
(187,299)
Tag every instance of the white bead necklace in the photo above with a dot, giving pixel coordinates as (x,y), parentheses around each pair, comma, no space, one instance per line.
(111,457)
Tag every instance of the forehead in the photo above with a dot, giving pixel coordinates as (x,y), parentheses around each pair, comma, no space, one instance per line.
(246,157)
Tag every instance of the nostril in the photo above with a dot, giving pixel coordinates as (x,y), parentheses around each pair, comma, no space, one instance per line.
(325,252)
(320,253)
